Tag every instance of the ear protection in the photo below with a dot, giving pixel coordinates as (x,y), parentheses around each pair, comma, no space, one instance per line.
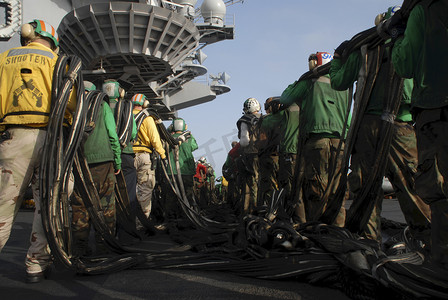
(27,33)
(32,30)
(379,18)
(312,61)
(28,30)
(319,59)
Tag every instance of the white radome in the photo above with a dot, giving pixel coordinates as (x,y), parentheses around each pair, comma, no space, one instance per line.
(213,11)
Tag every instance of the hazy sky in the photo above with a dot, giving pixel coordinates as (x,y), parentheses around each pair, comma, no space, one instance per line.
(273,40)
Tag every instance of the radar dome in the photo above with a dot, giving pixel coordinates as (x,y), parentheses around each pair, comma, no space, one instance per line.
(186,2)
(213,11)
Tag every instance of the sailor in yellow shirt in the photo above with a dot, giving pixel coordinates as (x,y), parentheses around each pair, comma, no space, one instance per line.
(148,140)
(26,75)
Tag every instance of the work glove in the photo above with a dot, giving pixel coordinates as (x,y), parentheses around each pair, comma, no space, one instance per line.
(182,138)
(393,27)
(340,49)
(165,163)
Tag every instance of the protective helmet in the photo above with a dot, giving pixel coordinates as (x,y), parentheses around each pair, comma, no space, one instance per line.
(202,160)
(319,59)
(386,15)
(42,28)
(112,89)
(138,99)
(268,103)
(89,86)
(251,105)
(179,124)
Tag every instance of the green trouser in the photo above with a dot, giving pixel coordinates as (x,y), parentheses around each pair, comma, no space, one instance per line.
(432,138)
(400,170)
(323,163)
(104,179)
(250,179)
(267,178)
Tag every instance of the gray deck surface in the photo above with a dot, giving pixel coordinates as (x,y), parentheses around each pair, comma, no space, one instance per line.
(148,283)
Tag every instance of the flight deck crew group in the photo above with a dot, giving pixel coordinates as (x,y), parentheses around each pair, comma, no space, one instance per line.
(296,148)
(416,161)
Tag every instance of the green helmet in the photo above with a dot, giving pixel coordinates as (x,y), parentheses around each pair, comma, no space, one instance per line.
(386,15)
(138,99)
(46,30)
(391,11)
(112,89)
(89,86)
(179,124)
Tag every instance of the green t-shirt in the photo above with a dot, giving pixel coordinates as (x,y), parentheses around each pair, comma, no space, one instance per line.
(421,54)
(343,75)
(186,159)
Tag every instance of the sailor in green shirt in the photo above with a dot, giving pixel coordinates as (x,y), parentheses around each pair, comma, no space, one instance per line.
(323,115)
(268,143)
(402,158)
(289,139)
(187,170)
(421,54)
(116,93)
(102,152)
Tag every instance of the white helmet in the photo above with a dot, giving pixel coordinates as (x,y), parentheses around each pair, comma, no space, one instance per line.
(251,105)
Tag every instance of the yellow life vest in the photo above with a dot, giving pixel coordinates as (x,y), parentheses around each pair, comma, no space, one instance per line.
(26,75)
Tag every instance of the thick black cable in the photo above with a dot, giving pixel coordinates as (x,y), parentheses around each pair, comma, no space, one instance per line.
(56,162)
(124,121)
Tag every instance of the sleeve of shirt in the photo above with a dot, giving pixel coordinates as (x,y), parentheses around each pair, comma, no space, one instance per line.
(244,137)
(154,137)
(295,92)
(194,144)
(406,51)
(343,75)
(134,129)
(111,129)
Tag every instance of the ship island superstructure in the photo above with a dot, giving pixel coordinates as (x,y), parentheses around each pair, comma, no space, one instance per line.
(154,46)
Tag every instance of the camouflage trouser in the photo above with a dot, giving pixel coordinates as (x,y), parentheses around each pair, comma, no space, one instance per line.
(146,180)
(400,169)
(267,178)
(104,179)
(250,179)
(431,180)
(19,166)
(323,162)
(293,205)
